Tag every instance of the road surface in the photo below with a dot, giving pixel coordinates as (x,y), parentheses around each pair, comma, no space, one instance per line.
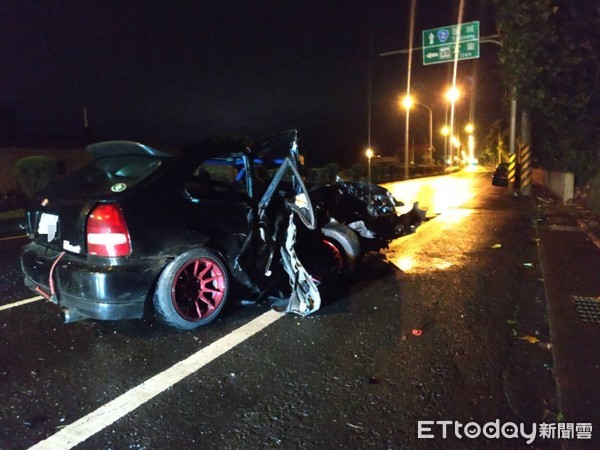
(431,329)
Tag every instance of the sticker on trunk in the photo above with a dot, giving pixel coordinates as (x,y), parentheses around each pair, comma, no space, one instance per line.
(70,247)
(118,187)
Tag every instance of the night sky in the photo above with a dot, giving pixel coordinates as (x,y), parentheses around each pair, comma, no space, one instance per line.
(181,71)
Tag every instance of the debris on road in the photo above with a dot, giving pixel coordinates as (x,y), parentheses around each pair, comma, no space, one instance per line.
(530,339)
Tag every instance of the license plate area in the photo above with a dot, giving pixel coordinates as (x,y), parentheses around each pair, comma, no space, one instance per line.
(48,226)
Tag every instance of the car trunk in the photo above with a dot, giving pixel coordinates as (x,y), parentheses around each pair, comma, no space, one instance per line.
(57,218)
(58,222)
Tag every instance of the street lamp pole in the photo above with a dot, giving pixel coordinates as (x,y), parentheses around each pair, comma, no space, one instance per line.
(406,144)
(430,130)
(369,154)
(407,102)
(470,129)
(452,95)
(445,133)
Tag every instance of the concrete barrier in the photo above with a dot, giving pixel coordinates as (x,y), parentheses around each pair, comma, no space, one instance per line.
(561,184)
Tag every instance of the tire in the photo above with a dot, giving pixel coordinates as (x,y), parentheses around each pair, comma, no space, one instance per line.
(192,289)
(346,240)
(331,262)
(336,256)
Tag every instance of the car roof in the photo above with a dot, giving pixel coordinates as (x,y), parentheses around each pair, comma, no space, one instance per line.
(125,148)
(274,147)
(187,156)
(278,146)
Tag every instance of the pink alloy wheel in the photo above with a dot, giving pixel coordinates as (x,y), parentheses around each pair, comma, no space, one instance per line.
(198,289)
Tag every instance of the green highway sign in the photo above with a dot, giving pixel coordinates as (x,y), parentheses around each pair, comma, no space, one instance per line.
(440,45)
(445,53)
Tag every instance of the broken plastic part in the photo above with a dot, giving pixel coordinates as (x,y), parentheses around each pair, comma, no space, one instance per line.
(360,227)
(305,298)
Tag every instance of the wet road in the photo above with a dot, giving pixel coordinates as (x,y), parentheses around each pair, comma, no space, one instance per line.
(420,334)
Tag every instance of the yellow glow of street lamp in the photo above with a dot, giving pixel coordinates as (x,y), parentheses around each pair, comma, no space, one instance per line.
(407,102)
(470,128)
(455,141)
(452,94)
(369,153)
(445,130)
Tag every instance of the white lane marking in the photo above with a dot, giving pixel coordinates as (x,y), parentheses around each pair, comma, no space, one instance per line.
(21,302)
(87,426)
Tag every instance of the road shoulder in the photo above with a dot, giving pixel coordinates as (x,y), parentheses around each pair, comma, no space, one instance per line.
(570,264)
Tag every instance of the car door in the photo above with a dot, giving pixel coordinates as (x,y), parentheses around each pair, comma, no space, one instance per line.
(221,209)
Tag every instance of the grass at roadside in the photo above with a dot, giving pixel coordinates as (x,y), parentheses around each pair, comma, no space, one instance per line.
(12,214)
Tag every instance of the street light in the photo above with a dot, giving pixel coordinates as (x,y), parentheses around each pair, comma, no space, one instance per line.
(369,154)
(408,102)
(452,94)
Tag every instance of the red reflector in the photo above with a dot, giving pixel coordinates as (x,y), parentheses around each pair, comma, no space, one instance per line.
(107,233)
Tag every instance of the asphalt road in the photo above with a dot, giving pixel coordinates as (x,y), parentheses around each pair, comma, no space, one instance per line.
(426,331)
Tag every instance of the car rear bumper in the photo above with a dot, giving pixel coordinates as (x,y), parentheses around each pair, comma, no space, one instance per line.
(111,290)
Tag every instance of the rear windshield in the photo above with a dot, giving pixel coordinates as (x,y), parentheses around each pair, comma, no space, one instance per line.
(106,175)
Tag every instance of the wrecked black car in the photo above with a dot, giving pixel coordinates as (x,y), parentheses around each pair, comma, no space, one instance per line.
(141,228)
(370,210)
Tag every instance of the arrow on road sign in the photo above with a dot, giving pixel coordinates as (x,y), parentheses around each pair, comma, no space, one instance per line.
(431,38)
(432,55)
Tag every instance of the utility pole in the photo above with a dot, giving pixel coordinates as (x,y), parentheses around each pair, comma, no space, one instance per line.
(525,154)
(511,145)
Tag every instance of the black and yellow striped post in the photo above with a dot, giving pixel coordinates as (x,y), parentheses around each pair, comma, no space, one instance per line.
(525,184)
(512,172)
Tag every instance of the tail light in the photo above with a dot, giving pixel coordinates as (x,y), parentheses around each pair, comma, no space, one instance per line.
(107,233)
